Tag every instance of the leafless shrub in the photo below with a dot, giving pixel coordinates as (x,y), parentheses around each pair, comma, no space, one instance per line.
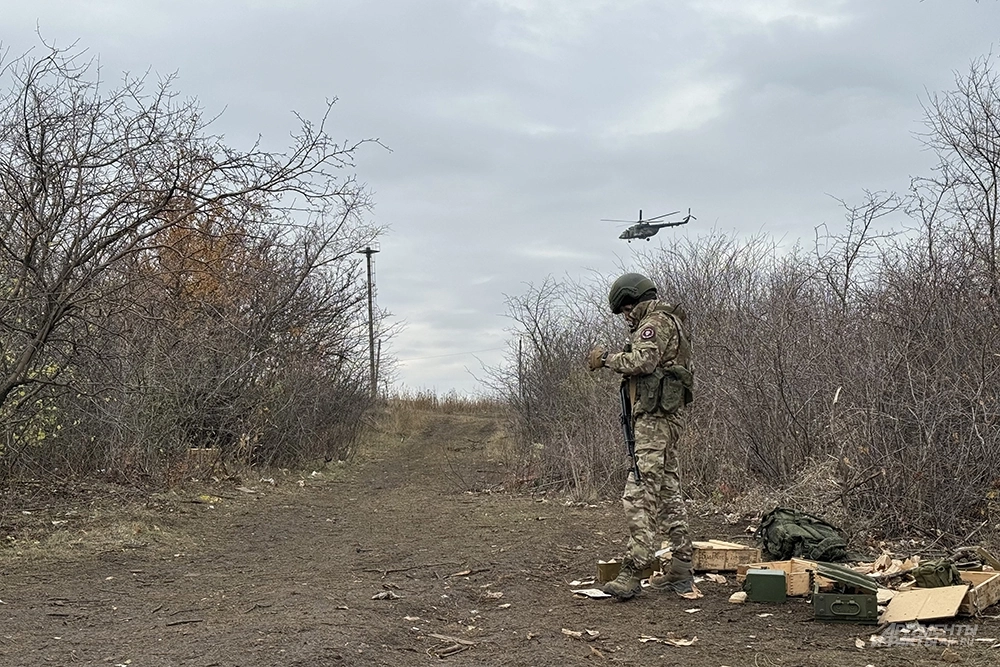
(562,429)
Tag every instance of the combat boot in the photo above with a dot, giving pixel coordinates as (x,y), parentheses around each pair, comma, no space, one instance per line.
(678,578)
(627,584)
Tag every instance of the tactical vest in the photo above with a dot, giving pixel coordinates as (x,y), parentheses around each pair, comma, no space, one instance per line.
(670,386)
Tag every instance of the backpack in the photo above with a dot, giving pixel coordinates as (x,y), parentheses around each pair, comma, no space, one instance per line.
(935,573)
(786,533)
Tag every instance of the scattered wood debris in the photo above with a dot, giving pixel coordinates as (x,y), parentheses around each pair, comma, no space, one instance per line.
(467,573)
(592,593)
(669,640)
(448,646)
(387,595)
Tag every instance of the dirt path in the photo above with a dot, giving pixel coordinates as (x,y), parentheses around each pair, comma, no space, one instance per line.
(287,575)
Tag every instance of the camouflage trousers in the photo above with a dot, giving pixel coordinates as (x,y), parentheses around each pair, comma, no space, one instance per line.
(654,506)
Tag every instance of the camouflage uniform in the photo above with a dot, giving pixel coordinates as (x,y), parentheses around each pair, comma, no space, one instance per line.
(654,505)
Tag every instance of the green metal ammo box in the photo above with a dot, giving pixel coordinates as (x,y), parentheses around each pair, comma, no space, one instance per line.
(854,599)
(765,585)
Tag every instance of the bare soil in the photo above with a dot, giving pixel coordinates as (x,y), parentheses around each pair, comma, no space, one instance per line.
(289,575)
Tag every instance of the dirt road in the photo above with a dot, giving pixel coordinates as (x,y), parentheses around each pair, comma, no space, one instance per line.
(287,575)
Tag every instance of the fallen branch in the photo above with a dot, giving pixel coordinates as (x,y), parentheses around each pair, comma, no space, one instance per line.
(448,638)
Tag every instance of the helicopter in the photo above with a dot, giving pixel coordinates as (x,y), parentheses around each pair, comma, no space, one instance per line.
(644,229)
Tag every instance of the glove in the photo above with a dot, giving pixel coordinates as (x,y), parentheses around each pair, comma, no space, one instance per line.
(596,358)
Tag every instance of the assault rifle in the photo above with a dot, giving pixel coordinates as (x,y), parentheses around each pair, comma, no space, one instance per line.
(627,428)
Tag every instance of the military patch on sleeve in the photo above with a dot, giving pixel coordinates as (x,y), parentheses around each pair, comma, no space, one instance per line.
(647,333)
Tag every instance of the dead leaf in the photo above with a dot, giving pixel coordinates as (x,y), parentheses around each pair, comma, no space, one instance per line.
(738,598)
(859,643)
(717,578)
(594,651)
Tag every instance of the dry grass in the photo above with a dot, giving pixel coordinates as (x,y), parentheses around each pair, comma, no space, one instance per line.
(815,491)
(79,517)
(452,402)
(55,523)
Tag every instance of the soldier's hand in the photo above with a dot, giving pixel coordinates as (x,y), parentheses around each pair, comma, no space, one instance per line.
(597,357)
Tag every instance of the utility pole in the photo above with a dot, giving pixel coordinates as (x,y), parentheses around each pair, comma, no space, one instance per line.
(368,252)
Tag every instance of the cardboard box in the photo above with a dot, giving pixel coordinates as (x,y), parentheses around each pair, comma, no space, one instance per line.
(981,590)
(985,592)
(716,555)
(798,575)
(924,604)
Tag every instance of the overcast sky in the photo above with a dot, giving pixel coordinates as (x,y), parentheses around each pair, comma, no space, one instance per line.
(516,125)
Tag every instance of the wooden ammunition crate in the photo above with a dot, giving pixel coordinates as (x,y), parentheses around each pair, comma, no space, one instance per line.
(985,592)
(719,556)
(716,555)
(608,570)
(798,575)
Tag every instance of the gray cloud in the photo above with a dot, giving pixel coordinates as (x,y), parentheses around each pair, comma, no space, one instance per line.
(515,125)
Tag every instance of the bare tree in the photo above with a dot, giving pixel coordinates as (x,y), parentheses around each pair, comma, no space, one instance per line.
(126,227)
(963,129)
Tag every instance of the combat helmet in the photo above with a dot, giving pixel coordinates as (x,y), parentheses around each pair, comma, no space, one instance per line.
(631,288)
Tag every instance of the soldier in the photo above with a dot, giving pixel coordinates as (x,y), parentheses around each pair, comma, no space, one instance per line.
(655,368)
